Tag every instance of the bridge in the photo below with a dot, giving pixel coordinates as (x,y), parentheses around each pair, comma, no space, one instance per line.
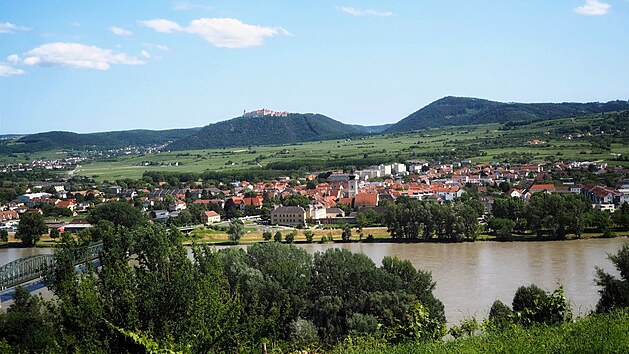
(30,268)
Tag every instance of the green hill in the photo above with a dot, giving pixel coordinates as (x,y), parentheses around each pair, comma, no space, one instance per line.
(266,130)
(450,111)
(106,140)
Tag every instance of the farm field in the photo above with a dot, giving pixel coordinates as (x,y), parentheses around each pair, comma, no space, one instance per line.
(479,143)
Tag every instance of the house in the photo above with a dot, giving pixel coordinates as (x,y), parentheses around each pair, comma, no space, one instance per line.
(334,213)
(546,188)
(161,215)
(9,215)
(366,200)
(288,215)
(75,226)
(177,205)
(316,212)
(210,217)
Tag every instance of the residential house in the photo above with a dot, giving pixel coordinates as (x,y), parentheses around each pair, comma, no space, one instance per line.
(210,217)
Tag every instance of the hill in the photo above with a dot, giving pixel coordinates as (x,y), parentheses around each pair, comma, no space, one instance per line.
(372,129)
(266,130)
(450,111)
(106,140)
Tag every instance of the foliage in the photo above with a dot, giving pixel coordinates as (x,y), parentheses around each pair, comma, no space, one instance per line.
(120,213)
(309,235)
(291,236)
(30,228)
(278,236)
(347,233)
(466,111)
(266,235)
(4,235)
(236,230)
(614,292)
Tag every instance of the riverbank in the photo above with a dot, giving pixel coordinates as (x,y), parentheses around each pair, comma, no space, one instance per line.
(606,333)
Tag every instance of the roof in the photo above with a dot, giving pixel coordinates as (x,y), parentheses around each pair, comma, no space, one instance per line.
(210,214)
(288,209)
(364,199)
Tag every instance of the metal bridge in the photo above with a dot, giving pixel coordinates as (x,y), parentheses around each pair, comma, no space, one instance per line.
(30,268)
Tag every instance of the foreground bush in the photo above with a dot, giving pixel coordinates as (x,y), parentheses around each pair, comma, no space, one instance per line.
(599,333)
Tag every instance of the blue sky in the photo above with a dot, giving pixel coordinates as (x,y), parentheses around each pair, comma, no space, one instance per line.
(89,66)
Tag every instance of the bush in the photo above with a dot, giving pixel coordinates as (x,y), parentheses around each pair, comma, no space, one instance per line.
(309,235)
(500,314)
(532,305)
(266,235)
(362,324)
(277,237)
(303,332)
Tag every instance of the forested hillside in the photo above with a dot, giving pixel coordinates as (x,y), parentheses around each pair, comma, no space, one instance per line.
(266,130)
(450,111)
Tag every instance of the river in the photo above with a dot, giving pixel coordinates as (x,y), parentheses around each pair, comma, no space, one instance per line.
(470,276)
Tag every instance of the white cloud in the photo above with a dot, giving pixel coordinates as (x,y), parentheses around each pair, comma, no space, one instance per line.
(120,31)
(161,47)
(13,58)
(6,71)
(220,32)
(161,25)
(76,56)
(145,54)
(75,24)
(593,8)
(186,5)
(367,12)
(8,27)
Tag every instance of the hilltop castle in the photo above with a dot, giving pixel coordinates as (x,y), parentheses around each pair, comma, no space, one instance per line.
(264,112)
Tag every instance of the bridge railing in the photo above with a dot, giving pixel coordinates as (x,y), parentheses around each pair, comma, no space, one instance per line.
(32,267)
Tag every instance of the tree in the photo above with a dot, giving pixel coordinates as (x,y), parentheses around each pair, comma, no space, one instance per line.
(4,235)
(309,235)
(278,236)
(30,229)
(236,230)
(614,292)
(502,228)
(291,236)
(54,233)
(266,235)
(119,213)
(347,233)
(296,200)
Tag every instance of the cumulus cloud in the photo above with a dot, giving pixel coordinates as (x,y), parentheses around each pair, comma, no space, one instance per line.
(8,27)
(145,54)
(13,58)
(593,8)
(120,31)
(220,32)
(365,12)
(6,71)
(161,25)
(76,56)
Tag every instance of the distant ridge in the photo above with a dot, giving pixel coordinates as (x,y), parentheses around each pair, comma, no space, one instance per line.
(466,111)
(106,140)
(266,130)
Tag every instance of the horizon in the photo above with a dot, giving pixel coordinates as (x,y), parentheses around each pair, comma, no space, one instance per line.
(162,65)
(253,117)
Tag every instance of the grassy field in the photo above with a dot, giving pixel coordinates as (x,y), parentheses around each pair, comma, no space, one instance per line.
(390,147)
(593,334)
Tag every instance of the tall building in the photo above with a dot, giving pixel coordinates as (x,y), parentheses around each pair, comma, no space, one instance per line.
(353,186)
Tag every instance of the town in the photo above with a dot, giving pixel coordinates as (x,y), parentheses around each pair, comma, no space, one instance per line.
(317,200)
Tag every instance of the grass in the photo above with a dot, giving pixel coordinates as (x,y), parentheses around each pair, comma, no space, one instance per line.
(606,333)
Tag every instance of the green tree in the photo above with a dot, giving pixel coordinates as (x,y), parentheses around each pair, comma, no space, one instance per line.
(278,236)
(236,230)
(4,235)
(30,228)
(54,233)
(347,233)
(120,213)
(614,291)
(309,235)
(502,228)
(266,235)
(291,236)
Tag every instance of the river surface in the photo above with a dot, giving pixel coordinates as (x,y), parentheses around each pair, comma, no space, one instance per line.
(470,276)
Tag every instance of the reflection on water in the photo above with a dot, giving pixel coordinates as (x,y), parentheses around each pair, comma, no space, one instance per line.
(470,276)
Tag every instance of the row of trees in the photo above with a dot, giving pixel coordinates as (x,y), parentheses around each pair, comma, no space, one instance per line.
(554,215)
(416,219)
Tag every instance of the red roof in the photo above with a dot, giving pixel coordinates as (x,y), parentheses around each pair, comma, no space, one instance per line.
(364,199)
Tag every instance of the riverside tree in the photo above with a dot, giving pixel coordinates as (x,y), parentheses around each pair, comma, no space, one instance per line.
(30,228)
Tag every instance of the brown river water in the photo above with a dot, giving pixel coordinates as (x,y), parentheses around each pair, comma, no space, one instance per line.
(470,276)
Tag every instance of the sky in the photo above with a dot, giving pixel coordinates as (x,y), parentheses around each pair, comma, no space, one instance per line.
(88,66)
